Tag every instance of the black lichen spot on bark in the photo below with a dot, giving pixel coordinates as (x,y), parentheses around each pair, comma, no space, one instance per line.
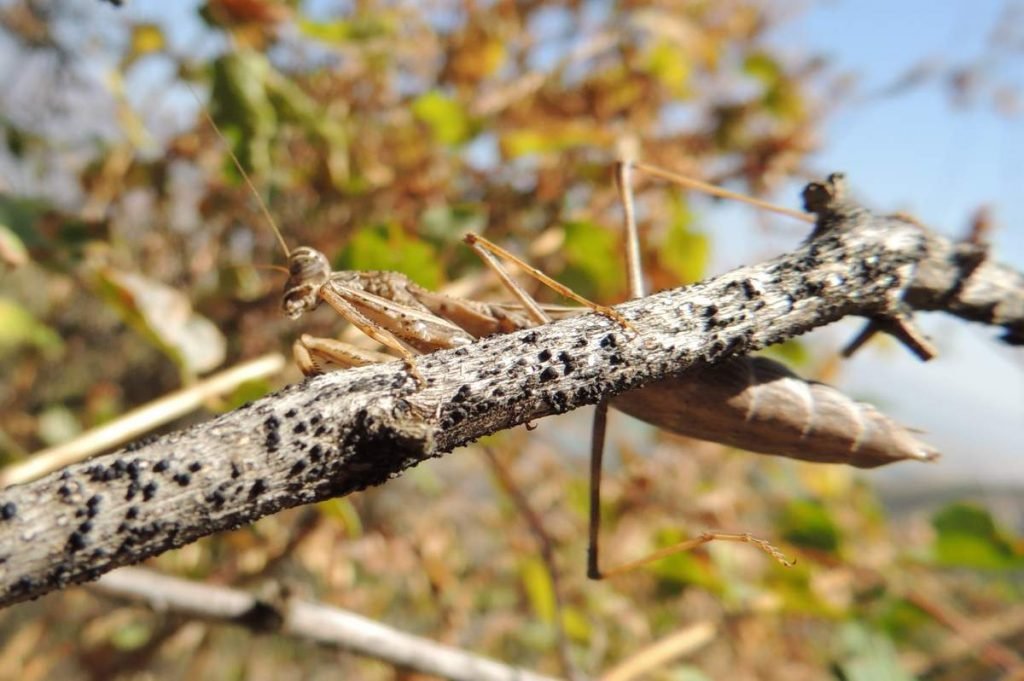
(258,488)
(299,428)
(544,355)
(549,374)
(559,402)
(291,413)
(140,443)
(76,542)
(133,513)
(462,394)
(236,471)
(608,341)
(133,489)
(8,511)
(297,468)
(183,479)
(531,338)
(195,467)
(149,490)
(161,466)
(568,363)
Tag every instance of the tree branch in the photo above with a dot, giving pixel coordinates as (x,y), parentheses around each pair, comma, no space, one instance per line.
(307,621)
(345,431)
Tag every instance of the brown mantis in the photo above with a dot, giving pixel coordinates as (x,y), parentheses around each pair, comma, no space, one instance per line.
(748,402)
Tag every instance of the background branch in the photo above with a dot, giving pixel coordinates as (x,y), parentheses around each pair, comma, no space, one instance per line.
(307,621)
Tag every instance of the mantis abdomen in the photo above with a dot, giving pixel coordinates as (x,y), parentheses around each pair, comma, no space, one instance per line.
(758,404)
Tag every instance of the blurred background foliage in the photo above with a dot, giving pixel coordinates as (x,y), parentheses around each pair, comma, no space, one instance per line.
(380,132)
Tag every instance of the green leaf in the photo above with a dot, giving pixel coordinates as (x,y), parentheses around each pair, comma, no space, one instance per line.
(685,251)
(445,223)
(131,636)
(164,316)
(967,536)
(808,523)
(669,62)
(576,624)
(869,656)
(554,140)
(593,262)
(387,247)
(249,391)
(354,30)
(539,589)
(18,328)
(763,67)
(447,119)
(685,568)
(57,424)
(12,250)
(344,513)
(792,352)
(240,104)
(901,619)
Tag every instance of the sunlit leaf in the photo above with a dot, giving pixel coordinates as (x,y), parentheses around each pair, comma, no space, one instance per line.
(685,251)
(147,38)
(670,64)
(967,536)
(539,590)
(356,29)
(12,250)
(165,317)
(577,624)
(19,328)
(547,140)
(763,67)
(593,262)
(387,247)
(808,523)
(447,119)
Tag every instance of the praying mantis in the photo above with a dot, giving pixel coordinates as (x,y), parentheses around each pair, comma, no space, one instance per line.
(752,403)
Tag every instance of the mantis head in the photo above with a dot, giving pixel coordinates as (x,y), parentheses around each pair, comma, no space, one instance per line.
(308,270)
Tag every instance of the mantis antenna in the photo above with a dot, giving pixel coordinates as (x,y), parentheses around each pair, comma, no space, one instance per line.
(241,170)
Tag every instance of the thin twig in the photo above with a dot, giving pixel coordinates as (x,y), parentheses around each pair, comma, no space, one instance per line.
(679,644)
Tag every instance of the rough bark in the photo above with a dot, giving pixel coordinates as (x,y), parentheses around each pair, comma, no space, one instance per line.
(345,431)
